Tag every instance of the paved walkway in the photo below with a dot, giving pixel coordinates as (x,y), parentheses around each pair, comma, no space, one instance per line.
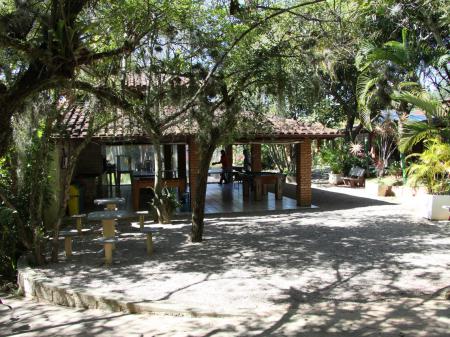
(369,269)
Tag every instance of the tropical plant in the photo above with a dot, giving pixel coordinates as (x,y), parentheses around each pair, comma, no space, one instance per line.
(339,158)
(386,141)
(167,198)
(432,168)
(383,69)
(437,124)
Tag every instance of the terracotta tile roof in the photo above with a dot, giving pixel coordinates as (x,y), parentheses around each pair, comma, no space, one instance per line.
(124,128)
(279,127)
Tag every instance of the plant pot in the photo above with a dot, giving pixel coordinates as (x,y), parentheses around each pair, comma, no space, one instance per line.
(385,191)
(431,207)
(335,178)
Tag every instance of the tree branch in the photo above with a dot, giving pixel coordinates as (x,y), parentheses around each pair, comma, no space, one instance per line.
(29,50)
(102,92)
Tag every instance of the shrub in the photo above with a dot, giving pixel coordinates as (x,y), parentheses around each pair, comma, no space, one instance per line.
(432,168)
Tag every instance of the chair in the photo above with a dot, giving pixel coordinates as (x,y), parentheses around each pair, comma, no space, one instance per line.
(355,177)
(237,178)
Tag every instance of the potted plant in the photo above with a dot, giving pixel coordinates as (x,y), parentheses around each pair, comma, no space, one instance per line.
(432,170)
(335,159)
(164,206)
(335,176)
(385,186)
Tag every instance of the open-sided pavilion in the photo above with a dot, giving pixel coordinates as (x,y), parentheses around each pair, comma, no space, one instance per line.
(180,143)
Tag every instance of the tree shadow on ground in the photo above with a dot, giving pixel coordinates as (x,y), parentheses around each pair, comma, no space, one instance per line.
(369,270)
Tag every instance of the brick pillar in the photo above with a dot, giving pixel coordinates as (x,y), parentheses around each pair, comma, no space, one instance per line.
(319,144)
(229,154)
(256,157)
(304,164)
(194,164)
(167,148)
(181,158)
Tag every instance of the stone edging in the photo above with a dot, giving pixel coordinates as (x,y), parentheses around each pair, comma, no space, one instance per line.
(36,286)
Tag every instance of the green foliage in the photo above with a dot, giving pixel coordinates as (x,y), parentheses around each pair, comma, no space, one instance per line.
(10,247)
(9,243)
(339,158)
(164,204)
(390,181)
(394,169)
(437,124)
(432,168)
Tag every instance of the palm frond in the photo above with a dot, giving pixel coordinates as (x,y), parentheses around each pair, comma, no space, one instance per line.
(408,85)
(364,115)
(365,83)
(443,60)
(413,133)
(361,62)
(429,105)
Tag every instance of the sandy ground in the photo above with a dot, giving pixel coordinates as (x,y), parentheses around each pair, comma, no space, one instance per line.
(357,266)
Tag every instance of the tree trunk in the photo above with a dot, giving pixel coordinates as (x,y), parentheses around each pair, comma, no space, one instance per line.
(65,188)
(198,209)
(161,202)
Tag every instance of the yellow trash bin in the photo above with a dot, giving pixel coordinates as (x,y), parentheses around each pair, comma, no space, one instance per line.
(74,200)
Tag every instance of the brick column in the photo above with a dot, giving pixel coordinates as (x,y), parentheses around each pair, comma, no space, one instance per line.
(167,148)
(229,154)
(304,165)
(319,144)
(256,157)
(194,164)
(181,159)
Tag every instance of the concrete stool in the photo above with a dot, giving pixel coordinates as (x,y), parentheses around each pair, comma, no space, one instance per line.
(141,215)
(79,221)
(108,244)
(149,239)
(68,235)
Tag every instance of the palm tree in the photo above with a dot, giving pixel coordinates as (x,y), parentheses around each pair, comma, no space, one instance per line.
(384,69)
(437,120)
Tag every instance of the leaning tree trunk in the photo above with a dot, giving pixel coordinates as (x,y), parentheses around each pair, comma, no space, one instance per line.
(161,202)
(65,188)
(198,209)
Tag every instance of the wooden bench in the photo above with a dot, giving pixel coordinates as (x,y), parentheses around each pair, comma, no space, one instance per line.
(355,177)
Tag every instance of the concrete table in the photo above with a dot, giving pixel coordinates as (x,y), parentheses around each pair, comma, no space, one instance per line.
(111,203)
(108,220)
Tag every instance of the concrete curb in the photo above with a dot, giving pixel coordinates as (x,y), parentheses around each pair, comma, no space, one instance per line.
(36,286)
